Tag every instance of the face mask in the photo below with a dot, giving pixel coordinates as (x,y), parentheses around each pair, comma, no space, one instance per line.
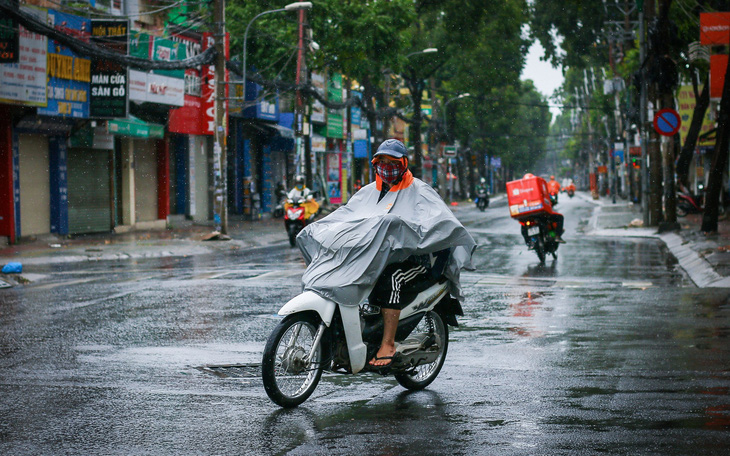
(299,186)
(389,171)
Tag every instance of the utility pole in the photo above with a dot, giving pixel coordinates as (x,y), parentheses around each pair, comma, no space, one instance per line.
(642,121)
(220,202)
(299,120)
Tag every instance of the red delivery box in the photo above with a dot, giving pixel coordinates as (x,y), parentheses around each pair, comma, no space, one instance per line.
(528,196)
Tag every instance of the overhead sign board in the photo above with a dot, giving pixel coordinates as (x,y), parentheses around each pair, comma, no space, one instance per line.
(8,40)
(449,151)
(667,122)
(24,82)
(68,74)
(714,28)
(155,88)
(109,90)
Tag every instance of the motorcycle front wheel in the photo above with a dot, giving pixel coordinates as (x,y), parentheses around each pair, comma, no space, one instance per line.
(289,377)
(422,376)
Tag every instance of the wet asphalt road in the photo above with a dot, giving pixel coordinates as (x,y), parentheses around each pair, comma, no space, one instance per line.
(608,350)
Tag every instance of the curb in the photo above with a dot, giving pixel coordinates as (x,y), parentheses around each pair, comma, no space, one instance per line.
(699,270)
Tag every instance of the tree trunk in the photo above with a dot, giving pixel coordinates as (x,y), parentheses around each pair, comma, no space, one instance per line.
(719,160)
(688,148)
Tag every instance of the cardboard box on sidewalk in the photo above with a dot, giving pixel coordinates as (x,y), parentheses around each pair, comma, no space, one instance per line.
(528,196)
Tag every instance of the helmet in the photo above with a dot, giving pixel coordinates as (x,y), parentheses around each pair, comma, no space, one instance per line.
(299,180)
(392,148)
(482,181)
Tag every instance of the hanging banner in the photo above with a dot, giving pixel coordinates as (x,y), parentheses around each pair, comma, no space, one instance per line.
(718,68)
(318,111)
(686,102)
(68,74)
(189,118)
(334,168)
(335,124)
(109,91)
(24,83)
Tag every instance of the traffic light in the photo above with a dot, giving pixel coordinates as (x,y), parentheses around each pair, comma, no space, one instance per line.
(636,162)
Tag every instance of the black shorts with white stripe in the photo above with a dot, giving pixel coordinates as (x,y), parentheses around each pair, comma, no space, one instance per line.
(399,284)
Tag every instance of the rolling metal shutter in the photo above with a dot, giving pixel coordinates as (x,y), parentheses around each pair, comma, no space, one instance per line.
(89,191)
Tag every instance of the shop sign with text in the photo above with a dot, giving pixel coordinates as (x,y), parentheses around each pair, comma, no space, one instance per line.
(109,90)
(68,74)
(8,40)
(24,82)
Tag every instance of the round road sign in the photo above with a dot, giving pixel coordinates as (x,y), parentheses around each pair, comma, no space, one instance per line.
(667,122)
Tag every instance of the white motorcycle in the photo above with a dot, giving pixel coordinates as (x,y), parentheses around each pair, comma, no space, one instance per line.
(318,334)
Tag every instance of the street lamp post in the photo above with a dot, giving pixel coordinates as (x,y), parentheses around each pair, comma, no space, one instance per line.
(296,6)
(446,112)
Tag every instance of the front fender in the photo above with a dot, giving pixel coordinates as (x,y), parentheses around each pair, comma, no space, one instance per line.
(310,300)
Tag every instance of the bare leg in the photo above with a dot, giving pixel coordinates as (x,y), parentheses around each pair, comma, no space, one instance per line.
(387,346)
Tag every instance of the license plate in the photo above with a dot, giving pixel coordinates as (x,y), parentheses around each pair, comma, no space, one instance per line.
(534,231)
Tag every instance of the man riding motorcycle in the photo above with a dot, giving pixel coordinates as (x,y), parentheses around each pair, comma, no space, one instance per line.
(553,187)
(551,216)
(397,233)
(482,194)
(301,192)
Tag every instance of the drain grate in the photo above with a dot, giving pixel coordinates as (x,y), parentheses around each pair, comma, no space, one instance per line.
(233,370)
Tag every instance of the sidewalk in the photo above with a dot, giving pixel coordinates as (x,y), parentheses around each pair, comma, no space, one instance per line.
(184,238)
(705,258)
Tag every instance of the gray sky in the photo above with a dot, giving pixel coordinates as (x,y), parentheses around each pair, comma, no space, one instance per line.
(545,77)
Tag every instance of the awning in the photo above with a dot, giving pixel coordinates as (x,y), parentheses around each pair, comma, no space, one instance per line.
(135,128)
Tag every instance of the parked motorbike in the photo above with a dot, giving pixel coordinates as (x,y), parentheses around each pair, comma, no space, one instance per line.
(688,203)
(540,236)
(482,200)
(295,218)
(318,334)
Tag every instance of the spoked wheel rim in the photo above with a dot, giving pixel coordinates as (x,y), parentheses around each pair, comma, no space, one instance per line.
(424,371)
(421,376)
(293,373)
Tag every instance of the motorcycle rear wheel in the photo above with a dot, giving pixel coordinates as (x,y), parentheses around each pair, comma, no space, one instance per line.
(288,378)
(422,376)
(540,248)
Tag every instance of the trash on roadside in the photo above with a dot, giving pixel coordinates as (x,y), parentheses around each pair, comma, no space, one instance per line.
(4,284)
(636,223)
(13,268)
(216,236)
(54,246)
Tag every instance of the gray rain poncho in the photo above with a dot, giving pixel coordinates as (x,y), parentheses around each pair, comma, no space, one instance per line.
(348,250)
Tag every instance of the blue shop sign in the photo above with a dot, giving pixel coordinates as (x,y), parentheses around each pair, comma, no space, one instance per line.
(264,107)
(355,111)
(68,74)
(360,148)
